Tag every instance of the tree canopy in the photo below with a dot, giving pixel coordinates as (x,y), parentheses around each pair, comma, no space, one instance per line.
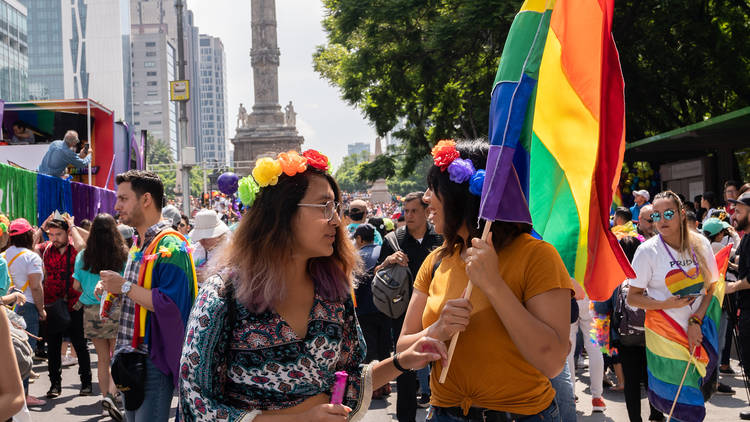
(423,69)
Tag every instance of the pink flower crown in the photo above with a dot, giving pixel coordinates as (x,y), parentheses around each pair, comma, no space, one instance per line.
(268,170)
(446,156)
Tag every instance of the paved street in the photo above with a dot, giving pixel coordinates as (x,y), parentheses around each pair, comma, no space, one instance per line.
(70,407)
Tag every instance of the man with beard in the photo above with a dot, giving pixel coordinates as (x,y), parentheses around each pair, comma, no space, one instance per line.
(156,302)
(741,215)
(59,257)
(646,226)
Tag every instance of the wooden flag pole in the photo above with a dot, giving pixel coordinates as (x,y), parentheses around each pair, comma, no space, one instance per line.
(467,295)
(684,375)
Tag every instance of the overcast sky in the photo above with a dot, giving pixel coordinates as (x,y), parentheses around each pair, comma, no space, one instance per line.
(326,121)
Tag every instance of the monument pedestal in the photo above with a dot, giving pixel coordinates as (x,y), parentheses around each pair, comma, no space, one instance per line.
(257,142)
(379,192)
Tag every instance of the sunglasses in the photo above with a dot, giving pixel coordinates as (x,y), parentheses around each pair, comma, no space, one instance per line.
(668,215)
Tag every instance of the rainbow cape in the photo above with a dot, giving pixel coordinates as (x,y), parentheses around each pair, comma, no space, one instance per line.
(667,352)
(557,135)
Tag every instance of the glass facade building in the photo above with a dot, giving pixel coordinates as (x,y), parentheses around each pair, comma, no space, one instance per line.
(14,51)
(212,144)
(46,69)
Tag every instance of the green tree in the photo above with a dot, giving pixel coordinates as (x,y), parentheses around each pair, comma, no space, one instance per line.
(347,174)
(427,66)
(161,162)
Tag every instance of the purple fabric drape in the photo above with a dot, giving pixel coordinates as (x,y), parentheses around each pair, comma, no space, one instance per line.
(88,201)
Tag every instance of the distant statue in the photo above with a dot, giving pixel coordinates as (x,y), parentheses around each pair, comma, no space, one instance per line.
(242,117)
(290,117)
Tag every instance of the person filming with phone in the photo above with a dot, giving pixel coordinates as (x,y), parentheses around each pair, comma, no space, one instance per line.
(62,154)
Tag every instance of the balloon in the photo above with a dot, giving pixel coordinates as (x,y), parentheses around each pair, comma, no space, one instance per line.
(228,183)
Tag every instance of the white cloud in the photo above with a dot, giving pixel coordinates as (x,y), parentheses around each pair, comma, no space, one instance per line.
(329,123)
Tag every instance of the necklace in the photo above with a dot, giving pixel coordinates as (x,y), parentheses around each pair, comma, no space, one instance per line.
(692,252)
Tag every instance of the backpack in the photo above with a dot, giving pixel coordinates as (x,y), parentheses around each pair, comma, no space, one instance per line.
(391,285)
(630,320)
(22,348)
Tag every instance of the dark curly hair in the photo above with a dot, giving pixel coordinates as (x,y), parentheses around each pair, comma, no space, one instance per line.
(460,207)
(105,247)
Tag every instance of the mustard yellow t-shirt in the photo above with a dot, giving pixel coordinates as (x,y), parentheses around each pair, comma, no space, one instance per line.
(487,369)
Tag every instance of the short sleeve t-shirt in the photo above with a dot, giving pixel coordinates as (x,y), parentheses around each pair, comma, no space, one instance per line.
(485,350)
(661,276)
(88,281)
(23,266)
(4,277)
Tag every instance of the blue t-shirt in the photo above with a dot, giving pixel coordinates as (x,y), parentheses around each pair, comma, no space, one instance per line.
(88,281)
(4,277)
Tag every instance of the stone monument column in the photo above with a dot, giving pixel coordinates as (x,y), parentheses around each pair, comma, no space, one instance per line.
(264,57)
(266,130)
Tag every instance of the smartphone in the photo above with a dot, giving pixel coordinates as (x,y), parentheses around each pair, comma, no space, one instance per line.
(691,295)
(86,149)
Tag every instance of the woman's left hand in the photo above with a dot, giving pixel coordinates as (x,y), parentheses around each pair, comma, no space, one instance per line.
(695,335)
(481,263)
(422,352)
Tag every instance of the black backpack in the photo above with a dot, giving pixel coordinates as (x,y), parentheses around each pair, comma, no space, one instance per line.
(391,285)
(630,321)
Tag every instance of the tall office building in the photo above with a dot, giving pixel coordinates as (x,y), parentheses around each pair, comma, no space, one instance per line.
(212,146)
(153,66)
(76,50)
(14,58)
(163,12)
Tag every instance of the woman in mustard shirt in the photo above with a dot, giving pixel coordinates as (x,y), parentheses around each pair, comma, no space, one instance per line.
(514,328)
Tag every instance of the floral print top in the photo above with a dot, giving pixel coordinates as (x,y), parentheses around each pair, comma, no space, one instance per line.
(259,363)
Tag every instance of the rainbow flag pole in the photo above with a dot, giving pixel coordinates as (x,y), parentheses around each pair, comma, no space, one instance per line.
(557,138)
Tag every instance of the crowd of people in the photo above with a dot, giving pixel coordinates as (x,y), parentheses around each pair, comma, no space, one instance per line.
(255,312)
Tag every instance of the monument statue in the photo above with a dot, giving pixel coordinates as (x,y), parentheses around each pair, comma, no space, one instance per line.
(266,130)
(242,117)
(290,116)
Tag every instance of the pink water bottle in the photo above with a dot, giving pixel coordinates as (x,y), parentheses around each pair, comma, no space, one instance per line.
(339,386)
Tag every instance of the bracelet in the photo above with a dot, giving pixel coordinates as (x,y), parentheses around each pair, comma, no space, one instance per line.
(694,319)
(398,365)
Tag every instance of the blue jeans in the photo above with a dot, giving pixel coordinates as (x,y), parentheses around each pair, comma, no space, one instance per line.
(423,376)
(565,396)
(30,314)
(157,398)
(550,414)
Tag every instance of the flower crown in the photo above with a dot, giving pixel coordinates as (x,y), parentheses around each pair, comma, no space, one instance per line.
(446,156)
(4,224)
(268,170)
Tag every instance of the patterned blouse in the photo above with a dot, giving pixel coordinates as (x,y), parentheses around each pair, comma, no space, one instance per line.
(231,373)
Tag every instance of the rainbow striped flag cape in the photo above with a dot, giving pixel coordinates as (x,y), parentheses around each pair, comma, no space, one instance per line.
(668,353)
(557,135)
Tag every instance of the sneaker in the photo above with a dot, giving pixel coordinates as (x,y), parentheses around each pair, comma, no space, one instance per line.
(727,370)
(110,405)
(33,401)
(598,404)
(54,391)
(68,360)
(86,389)
(724,389)
(33,375)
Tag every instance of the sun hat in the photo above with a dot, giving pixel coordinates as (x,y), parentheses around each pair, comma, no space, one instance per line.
(208,225)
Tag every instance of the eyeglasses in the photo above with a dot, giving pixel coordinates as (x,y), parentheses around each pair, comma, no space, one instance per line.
(183,224)
(329,208)
(668,215)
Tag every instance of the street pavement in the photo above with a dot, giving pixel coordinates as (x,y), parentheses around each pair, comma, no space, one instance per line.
(71,407)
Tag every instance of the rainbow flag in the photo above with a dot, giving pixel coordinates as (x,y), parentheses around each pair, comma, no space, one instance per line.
(616,200)
(557,135)
(668,353)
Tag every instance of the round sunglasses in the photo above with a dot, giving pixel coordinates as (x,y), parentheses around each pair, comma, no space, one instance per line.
(668,215)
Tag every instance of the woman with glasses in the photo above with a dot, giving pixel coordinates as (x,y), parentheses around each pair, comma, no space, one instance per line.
(268,334)
(674,275)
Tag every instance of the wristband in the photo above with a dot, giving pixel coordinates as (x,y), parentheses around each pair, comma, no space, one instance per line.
(694,319)
(398,365)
